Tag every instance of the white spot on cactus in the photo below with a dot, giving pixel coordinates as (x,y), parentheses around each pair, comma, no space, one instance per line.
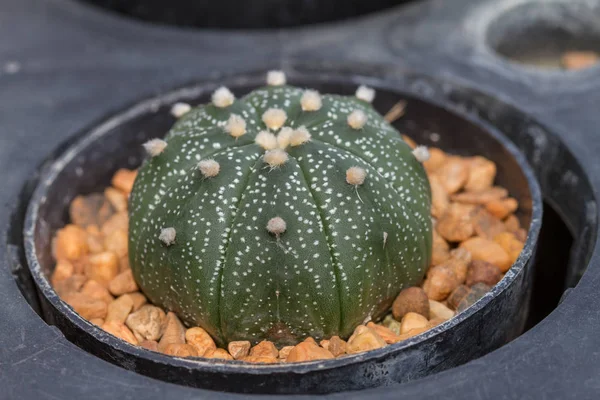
(357,119)
(179,109)
(275,158)
(421,153)
(284,136)
(355,176)
(276,78)
(365,93)
(209,168)
(311,100)
(276,226)
(167,236)
(266,140)
(299,137)
(154,147)
(236,126)
(274,118)
(222,97)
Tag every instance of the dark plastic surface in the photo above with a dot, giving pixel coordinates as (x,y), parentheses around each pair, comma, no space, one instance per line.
(88,166)
(66,66)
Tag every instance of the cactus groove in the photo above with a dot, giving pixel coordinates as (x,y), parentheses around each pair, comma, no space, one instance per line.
(280,215)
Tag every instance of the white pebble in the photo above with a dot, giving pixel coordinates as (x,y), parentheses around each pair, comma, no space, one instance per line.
(222,97)
(275,158)
(276,78)
(154,147)
(266,140)
(300,136)
(276,226)
(179,109)
(421,153)
(365,93)
(357,119)
(236,126)
(355,175)
(311,101)
(209,168)
(167,236)
(274,118)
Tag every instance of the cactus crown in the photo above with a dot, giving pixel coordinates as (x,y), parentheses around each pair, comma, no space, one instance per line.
(280,215)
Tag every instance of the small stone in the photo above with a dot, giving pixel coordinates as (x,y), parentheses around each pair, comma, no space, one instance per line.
(124,179)
(437,158)
(412,321)
(97,291)
(102,267)
(119,330)
(274,118)
(155,147)
(264,349)
(138,300)
(364,339)
(385,333)
(209,168)
(486,225)
(456,224)
(488,250)
(511,244)
(456,296)
(458,262)
(117,242)
(502,208)
(63,270)
(220,354)
(259,359)
(482,173)
(123,283)
(453,174)
(512,224)
(413,332)
(167,236)
(483,272)
(311,101)
(482,197)
(180,350)
(119,221)
(97,321)
(576,60)
(365,93)
(239,349)
(355,176)
(284,352)
(116,198)
(236,126)
(392,324)
(440,282)
(476,292)
(439,197)
(439,311)
(71,284)
(119,309)
(174,332)
(86,306)
(151,345)
(440,249)
(92,209)
(357,119)
(275,158)
(412,299)
(70,243)
(222,97)
(178,110)
(95,239)
(147,323)
(335,345)
(200,340)
(276,78)
(308,351)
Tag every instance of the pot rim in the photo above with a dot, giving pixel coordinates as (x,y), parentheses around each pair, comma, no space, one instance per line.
(374,78)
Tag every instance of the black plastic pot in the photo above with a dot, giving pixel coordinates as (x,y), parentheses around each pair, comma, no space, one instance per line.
(243,14)
(87,166)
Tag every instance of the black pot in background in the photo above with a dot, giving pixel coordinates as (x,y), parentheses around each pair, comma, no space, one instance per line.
(88,165)
(243,14)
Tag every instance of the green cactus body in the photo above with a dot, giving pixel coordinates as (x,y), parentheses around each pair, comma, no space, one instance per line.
(337,254)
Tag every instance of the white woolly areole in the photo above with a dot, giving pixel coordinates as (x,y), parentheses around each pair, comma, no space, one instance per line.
(154,147)
(355,175)
(179,109)
(209,168)
(167,236)
(274,118)
(236,126)
(300,136)
(276,78)
(283,137)
(311,100)
(266,140)
(222,97)
(357,119)
(365,93)
(421,153)
(275,158)
(276,226)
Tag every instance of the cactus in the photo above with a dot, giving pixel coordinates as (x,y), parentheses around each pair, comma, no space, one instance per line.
(280,215)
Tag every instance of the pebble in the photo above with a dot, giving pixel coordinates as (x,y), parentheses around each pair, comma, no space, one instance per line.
(264,349)
(457,295)
(308,351)
(412,299)
(483,272)
(439,311)
(488,250)
(364,339)
(239,349)
(440,282)
(412,321)
(174,332)
(200,340)
(476,292)
(147,323)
